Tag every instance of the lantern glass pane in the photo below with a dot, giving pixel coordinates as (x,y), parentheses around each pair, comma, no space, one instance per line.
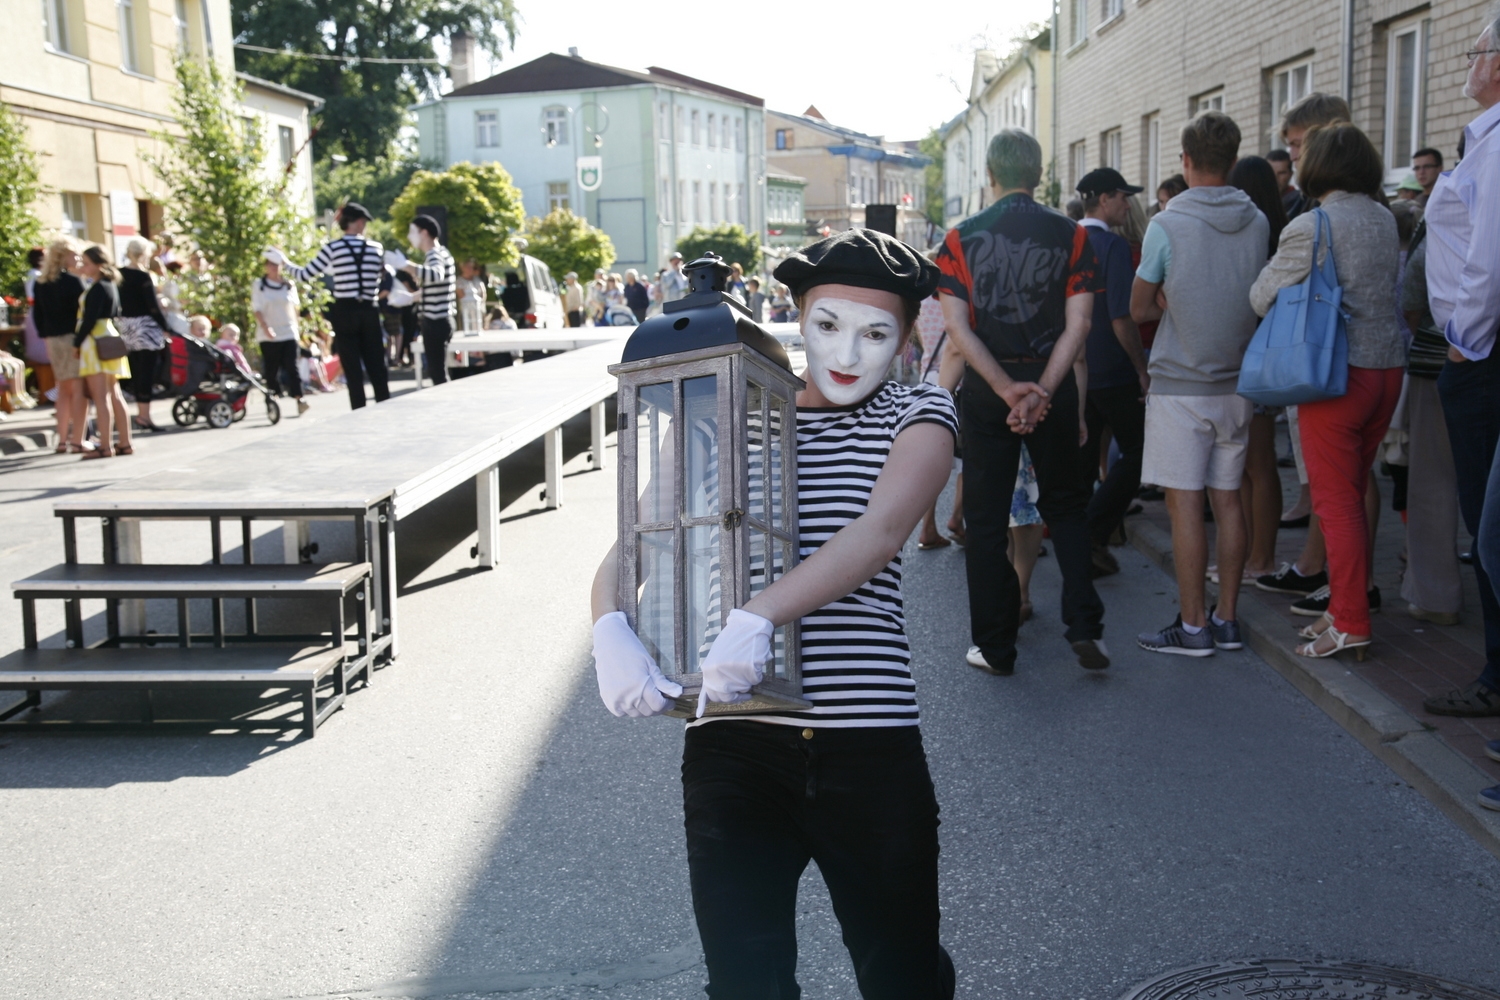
(656,601)
(700,414)
(701,602)
(755,440)
(653,425)
(780,429)
(759,580)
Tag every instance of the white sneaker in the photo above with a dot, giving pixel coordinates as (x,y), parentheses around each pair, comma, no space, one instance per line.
(302,406)
(976,659)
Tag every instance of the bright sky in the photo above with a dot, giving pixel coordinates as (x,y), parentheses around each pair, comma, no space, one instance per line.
(897,75)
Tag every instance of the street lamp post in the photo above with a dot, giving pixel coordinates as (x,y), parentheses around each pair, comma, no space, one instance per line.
(708,484)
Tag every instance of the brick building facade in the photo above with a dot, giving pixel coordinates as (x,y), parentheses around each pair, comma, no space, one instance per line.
(1133,72)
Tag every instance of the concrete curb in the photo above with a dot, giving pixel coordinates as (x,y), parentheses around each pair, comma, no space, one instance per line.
(24,441)
(1414,751)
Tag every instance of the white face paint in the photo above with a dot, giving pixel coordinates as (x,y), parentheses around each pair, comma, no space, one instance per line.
(414,236)
(850,347)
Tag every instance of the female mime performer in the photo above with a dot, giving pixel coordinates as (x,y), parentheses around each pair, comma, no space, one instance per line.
(845,782)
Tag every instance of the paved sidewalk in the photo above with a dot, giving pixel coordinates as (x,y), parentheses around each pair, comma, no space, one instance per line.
(1380,699)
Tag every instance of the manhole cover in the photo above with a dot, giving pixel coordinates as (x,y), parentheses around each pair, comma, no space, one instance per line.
(1289,979)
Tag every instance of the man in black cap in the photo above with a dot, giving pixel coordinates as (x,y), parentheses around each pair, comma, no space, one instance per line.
(1117,379)
(1018,289)
(844,783)
(435,278)
(356,265)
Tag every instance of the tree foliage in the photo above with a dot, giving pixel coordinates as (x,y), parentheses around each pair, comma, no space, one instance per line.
(933,145)
(372,183)
(566,242)
(366,101)
(217,194)
(484,209)
(20,229)
(728,241)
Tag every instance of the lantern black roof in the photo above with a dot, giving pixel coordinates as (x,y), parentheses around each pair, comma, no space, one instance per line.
(706,317)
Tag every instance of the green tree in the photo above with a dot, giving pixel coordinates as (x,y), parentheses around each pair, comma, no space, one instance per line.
(935,146)
(566,242)
(217,194)
(20,229)
(372,183)
(366,100)
(728,241)
(484,209)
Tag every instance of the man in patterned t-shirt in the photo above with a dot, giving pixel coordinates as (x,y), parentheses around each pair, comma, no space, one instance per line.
(1018,283)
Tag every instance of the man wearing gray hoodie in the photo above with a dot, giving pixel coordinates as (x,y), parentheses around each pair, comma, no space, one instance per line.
(1200,257)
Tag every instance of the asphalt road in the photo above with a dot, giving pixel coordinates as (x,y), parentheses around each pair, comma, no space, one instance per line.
(475,822)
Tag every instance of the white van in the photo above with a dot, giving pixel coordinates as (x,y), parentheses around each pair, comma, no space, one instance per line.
(530,295)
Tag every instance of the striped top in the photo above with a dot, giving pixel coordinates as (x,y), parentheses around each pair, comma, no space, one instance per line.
(855,658)
(436,281)
(355,263)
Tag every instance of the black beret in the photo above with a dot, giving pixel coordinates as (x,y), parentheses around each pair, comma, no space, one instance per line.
(863,258)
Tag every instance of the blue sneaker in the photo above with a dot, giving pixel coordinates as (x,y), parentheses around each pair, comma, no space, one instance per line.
(1492,749)
(1490,798)
(1226,636)
(1177,640)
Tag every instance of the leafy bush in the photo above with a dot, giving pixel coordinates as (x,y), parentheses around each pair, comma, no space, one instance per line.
(728,241)
(484,209)
(566,242)
(20,229)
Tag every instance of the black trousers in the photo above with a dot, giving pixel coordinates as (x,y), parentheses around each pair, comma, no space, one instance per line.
(143,366)
(1471,405)
(357,342)
(435,336)
(278,366)
(992,455)
(1121,409)
(760,801)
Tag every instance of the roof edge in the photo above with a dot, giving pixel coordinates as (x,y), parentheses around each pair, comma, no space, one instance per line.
(281,88)
(712,88)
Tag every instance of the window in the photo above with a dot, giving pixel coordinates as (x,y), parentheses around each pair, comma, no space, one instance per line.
(287,141)
(208,29)
(663,122)
(1077,164)
(555,126)
(55,23)
(129,58)
(784,138)
(713,201)
(1113,9)
(681,129)
(180,27)
(682,199)
(1151,153)
(697,129)
(1211,101)
(724,143)
(1404,96)
(1080,21)
(739,136)
(75,216)
(1112,148)
(250,130)
(557,196)
(1288,86)
(697,197)
(713,130)
(664,210)
(486,129)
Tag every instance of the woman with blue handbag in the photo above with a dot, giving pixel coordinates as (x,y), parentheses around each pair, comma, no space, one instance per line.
(1341,432)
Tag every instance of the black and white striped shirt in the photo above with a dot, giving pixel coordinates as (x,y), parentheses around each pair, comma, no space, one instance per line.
(355,262)
(436,281)
(855,657)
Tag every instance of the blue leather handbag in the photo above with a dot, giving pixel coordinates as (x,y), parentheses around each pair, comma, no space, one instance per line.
(1300,351)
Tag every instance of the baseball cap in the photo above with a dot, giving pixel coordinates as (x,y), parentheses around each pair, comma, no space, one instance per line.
(675,256)
(1409,184)
(1103,181)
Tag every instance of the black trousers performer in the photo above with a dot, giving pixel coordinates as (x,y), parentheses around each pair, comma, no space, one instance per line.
(278,366)
(435,336)
(760,801)
(357,342)
(992,455)
(1121,409)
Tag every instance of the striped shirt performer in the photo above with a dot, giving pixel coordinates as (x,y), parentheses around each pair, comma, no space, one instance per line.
(355,264)
(845,782)
(435,278)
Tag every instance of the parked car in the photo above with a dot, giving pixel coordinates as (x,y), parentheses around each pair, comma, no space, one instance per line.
(530,295)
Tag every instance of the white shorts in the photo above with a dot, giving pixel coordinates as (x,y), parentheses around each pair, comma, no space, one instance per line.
(1193,442)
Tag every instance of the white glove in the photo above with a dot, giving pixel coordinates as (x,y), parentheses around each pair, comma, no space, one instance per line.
(630,682)
(737,660)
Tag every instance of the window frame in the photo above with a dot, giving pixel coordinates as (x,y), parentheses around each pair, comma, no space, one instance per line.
(483,125)
(555,126)
(79,225)
(1111,9)
(739,135)
(286,141)
(695,125)
(1418,29)
(55,25)
(1080,23)
(713,131)
(128,30)
(1078,162)
(1283,97)
(1112,149)
(559,195)
(1151,151)
(1209,100)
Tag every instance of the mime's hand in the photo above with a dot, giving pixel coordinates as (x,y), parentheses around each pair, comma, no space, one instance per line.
(630,682)
(737,660)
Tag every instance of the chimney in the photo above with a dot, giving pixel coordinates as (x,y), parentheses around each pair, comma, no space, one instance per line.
(461,62)
(573,51)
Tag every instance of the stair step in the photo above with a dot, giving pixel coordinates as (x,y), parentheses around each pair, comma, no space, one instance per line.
(135,580)
(172,666)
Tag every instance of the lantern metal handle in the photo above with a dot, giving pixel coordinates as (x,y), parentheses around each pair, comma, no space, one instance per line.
(732,518)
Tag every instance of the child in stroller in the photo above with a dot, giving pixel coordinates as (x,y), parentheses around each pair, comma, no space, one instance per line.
(213,380)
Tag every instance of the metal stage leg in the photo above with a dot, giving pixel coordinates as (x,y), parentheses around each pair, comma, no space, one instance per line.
(295,536)
(247,554)
(597,435)
(487,516)
(553,443)
(128,550)
(386,578)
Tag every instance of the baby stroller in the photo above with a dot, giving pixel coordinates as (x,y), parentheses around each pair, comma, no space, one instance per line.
(212,384)
(618,315)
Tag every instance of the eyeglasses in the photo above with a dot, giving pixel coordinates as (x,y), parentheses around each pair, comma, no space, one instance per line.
(1476,53)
